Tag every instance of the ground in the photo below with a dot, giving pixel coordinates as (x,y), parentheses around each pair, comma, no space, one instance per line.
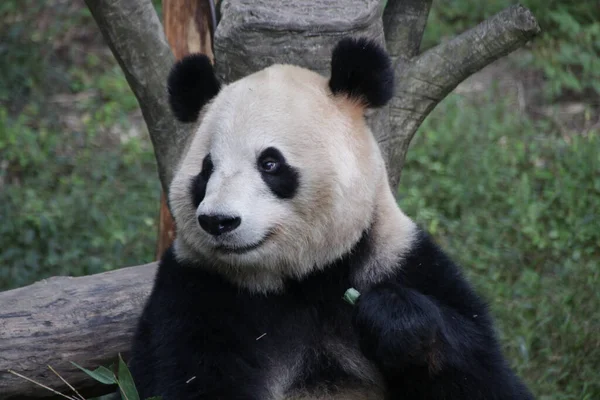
(505,173)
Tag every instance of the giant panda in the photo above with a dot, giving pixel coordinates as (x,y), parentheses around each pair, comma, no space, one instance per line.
(282,203)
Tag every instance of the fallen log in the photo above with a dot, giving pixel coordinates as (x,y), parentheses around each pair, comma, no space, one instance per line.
(87,320)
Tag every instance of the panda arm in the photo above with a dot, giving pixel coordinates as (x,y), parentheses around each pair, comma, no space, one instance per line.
(431,335)
(182,348)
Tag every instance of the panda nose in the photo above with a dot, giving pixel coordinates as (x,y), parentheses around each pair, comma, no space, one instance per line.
(217,224)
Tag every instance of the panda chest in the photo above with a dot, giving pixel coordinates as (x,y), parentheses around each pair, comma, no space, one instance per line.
(307,348)
(334,370)
(299,344)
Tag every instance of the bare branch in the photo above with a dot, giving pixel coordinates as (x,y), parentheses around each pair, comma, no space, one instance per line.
(448,64)
(403,24)
(426,80)
(135,35)
(87,320)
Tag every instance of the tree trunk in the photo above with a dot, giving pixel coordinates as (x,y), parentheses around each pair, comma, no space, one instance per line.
(188,27)
(89,320)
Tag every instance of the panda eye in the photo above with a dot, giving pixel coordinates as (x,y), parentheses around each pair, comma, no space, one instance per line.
(270,161)
(269,165)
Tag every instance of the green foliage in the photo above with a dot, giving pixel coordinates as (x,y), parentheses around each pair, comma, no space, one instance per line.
(31,40)
(568,50)
(101,374)
(122,379)
(79,192)
(126,384)
(72,205)
(519,206)
(571,59)
(158,7)
(351,296)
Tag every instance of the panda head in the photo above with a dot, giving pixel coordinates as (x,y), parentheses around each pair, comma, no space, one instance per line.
(282,174)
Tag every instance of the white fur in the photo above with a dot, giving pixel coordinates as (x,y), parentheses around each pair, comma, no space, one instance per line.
(343,183)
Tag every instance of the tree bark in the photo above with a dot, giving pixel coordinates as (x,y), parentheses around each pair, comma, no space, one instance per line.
(188,27)
(166,227)
(134,33)
(427,79)
(404,23)
(89,320)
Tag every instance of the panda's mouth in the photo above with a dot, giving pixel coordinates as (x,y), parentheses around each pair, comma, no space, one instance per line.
(235,249)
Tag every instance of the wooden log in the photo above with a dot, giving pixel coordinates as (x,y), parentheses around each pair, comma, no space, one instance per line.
(87,320)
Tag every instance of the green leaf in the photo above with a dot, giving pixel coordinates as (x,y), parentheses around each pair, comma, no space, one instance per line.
(351,296)
(101,374)
(126,384)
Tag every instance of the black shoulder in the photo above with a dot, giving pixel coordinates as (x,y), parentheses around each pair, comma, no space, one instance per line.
(430,270)
(362,70)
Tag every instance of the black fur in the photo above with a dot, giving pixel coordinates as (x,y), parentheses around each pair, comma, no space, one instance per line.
(198,184)
(191,84)
(362,70)
(443,343)
(285,180)
(428,333)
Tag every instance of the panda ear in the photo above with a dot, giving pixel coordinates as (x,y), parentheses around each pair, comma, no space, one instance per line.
(362,70)
(191,84)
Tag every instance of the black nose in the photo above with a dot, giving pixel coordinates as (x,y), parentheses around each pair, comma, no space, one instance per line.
(217,224)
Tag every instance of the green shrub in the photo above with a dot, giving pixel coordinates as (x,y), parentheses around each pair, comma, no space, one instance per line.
(72,205)
(567,51)
(30,36)
(570,59)
(79,194)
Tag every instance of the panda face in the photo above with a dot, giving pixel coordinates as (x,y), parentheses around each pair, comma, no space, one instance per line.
(275,174)
(282,174)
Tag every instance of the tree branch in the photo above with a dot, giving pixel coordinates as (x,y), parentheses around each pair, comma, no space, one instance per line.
(87,320)
(135,35)
(428,78)
(403,24)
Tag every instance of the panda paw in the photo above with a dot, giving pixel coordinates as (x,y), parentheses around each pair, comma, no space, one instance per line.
(398,327)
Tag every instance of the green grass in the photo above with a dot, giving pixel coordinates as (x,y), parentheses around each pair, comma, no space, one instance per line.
(519,206)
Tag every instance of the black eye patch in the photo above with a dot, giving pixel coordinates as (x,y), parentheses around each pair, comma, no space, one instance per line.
(198,184)
(278,175)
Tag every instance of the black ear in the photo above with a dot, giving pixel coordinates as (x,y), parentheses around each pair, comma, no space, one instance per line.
(362,70)
(191,84)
